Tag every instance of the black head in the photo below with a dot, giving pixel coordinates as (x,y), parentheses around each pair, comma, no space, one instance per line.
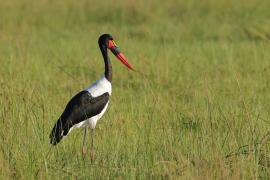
(104,39)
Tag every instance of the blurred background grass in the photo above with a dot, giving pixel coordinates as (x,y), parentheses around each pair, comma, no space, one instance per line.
(198,109)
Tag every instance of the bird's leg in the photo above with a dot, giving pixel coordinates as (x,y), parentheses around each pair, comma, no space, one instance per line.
(92,145)
(84,143)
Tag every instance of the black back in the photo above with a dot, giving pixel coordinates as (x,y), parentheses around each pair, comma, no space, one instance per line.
(81,107)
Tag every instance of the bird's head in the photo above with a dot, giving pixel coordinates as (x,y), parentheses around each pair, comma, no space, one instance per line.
(106,41)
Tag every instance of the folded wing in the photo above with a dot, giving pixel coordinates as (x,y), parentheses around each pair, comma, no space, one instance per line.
(80,108)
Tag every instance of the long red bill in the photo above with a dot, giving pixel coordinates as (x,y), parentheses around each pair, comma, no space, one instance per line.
(124,60)
(115,50)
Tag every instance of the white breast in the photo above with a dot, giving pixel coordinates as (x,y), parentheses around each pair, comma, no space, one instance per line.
(100,87)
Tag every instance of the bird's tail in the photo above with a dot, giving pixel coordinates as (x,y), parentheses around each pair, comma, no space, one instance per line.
(57,133)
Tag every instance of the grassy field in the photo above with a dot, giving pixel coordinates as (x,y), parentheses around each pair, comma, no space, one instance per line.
(198,107)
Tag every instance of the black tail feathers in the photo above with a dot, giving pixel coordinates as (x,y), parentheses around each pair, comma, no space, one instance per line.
(56,134)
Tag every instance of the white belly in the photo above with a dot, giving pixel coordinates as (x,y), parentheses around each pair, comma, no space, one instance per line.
(91,122)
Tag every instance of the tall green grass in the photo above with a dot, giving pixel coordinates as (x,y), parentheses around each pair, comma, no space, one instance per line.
(198,107)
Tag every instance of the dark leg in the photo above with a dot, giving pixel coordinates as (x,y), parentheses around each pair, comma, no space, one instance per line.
(92,145)
(84,143)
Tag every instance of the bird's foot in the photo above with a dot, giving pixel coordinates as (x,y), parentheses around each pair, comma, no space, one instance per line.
(83,152)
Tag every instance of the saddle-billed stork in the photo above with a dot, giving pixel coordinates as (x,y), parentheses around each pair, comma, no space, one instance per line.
(88,106)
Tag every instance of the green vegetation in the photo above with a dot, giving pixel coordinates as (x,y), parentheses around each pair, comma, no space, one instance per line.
(197,109)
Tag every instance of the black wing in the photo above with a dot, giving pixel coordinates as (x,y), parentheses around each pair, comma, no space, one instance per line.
(81,107)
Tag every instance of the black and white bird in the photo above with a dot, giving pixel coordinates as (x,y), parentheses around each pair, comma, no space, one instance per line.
(88,106)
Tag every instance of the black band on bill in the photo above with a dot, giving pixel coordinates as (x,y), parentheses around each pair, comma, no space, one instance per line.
(115,50)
